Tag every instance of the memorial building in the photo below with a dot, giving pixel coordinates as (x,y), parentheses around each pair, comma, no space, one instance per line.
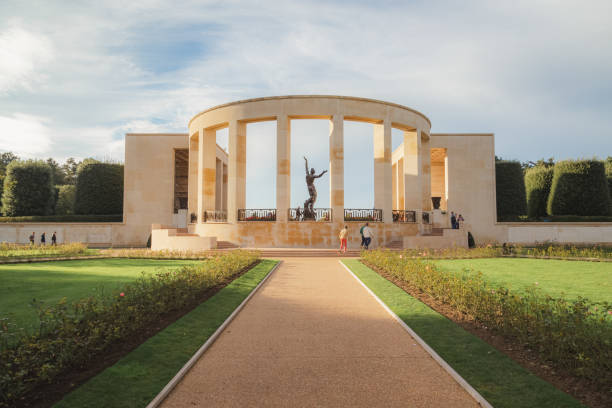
(186,192)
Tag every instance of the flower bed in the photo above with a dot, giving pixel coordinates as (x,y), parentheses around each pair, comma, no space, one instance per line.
(575,335)
(70,335)
(8,250)
(565,251)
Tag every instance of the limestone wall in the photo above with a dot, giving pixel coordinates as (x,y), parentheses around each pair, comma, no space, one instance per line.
(561,233)
(93,234)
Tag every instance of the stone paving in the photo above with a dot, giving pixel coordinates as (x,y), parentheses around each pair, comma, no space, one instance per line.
(313,336)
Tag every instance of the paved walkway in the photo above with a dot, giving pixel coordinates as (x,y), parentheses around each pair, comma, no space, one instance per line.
(313,336)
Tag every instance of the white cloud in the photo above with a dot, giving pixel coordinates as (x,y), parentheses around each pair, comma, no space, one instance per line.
(23,54)
(27,135)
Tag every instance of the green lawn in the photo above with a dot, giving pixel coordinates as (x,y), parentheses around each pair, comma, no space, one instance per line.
(51,281)
(592,280)
(494,375)
(137,378)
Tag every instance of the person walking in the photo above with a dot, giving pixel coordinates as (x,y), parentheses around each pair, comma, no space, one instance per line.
(343,238)
(54,239)
(368,234)
(32,239)
(460,221)
(361,233)
(42,239)
(453,220)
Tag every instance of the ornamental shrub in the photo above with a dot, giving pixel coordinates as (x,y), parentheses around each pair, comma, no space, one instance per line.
(65,200)
(537,185)
(510,189)
(99,188)
(28,189)
(579,187)
(574,335)
(71,334)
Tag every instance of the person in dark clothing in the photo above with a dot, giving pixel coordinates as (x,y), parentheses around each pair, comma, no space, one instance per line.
(42,239)
(362,237)
(453,220)
(54,239)
(32,239)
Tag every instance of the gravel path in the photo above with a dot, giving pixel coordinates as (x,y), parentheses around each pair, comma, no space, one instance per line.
(312,336)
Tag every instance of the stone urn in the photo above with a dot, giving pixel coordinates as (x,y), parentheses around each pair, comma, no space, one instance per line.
(436,202)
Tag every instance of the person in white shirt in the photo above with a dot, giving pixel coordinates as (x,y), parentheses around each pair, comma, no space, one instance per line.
(368,234)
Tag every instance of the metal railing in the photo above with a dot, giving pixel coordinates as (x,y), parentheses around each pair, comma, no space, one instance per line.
(404,216)
(265,214)
(214,216)
(358,214)
(320,214)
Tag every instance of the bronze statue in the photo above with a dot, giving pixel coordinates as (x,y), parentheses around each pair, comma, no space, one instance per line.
(312,191)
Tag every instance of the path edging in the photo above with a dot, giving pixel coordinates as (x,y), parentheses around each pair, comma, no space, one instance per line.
(159,398)
(454,374)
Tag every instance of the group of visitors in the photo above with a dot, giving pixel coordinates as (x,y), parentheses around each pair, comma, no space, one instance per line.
(43,238)
(456,220)
(366,237)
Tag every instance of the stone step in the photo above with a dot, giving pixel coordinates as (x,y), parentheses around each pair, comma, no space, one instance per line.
(225,245)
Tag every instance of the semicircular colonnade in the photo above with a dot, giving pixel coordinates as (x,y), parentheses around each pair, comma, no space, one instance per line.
(283,109)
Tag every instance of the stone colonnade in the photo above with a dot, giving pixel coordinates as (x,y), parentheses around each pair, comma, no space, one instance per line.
(336,109)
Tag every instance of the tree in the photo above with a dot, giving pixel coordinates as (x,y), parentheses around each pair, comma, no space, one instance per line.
(70,168)
(59,176)
(5,159)
(28,189)
(65,200)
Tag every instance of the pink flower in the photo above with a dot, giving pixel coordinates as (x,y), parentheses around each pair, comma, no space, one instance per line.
(492,290)
(610,312)
(122,294)
(537,283)
(401,256)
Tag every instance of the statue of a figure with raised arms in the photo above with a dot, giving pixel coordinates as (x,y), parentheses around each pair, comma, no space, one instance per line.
(312,192)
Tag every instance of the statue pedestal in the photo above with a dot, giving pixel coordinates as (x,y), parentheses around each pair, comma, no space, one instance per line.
(441,220)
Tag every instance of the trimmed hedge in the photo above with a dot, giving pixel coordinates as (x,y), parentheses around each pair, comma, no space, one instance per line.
(99,188)
(510,189)
(608,165)
(579,187)
(65,200)
(537,185)
(28,189)
(65,218)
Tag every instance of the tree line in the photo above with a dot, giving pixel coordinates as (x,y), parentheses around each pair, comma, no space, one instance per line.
(46,187)
(536,190)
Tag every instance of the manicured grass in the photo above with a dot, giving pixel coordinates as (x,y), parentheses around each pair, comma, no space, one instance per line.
(592,280)
(495,376)
(137,378)
(51,281)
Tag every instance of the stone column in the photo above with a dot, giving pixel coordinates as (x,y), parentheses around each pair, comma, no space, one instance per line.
(383,179)
(283,167)
(236,197)
(412,170)
(400,184)
(425,152)
(336,167)
(218,185)
(394,185)
(192,186)
(224,197)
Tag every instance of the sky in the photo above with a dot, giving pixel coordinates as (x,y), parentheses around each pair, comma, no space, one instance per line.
(76,76)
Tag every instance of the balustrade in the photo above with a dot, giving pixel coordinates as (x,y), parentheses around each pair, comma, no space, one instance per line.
(358,214)
(214,216)
(263,214)
(320,214)
(404,216)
